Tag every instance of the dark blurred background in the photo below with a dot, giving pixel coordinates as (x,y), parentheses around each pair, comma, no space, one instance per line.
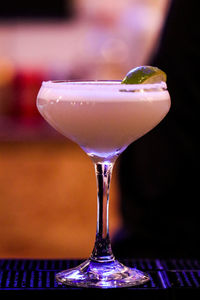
(33,10)
(159,173)
(154,192)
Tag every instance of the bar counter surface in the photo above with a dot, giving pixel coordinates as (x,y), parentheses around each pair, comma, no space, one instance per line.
(170,279)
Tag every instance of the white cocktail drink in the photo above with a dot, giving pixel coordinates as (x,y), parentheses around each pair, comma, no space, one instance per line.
(103,117)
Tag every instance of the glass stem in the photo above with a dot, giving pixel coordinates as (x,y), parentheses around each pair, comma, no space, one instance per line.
(102,251)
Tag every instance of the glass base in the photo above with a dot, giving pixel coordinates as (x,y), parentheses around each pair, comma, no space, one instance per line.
(94,274)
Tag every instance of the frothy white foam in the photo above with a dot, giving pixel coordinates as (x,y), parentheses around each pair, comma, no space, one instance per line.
(101,91)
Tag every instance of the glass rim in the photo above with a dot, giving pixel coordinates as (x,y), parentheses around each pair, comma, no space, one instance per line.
(104,83)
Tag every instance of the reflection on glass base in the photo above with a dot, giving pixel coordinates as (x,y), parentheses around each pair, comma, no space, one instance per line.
(94,274)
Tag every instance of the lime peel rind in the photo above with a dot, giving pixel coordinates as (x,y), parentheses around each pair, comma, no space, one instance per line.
(145,75)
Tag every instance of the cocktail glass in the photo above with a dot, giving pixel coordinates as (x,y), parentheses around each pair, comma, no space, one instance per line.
(103,118)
